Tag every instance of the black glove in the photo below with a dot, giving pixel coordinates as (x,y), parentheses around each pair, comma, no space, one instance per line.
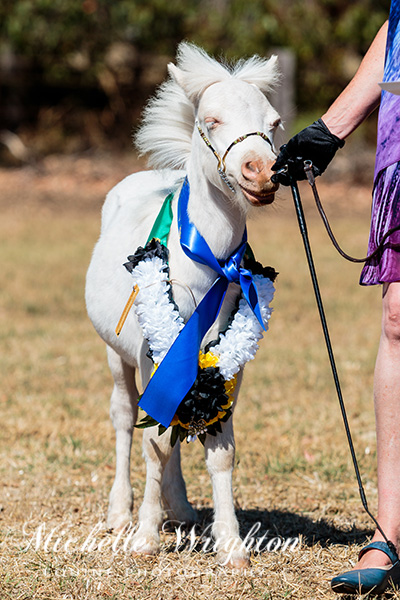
(315,143)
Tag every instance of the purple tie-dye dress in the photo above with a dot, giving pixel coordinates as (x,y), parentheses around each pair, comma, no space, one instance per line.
(385,267)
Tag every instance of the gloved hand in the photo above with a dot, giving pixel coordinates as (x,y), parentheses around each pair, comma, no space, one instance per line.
(315,143)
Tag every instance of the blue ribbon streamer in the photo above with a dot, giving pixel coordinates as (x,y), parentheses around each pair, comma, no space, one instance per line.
(178,370)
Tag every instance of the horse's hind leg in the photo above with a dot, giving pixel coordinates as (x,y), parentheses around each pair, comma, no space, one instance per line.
(173,491)
(123,414)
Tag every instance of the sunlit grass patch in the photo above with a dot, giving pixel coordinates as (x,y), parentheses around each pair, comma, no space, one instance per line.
(293,474)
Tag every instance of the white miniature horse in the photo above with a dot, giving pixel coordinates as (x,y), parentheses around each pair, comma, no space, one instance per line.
(226,103)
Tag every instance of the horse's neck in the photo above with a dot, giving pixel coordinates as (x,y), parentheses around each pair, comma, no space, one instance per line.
(219,221)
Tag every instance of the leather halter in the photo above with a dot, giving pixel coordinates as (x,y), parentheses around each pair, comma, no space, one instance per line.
(221,167)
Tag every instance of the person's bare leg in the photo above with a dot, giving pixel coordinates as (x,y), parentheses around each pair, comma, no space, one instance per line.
(387,415)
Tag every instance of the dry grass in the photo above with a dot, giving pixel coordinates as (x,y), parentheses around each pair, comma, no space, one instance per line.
(293,474)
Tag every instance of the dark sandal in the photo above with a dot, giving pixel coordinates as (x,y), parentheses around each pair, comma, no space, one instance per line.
(374,580)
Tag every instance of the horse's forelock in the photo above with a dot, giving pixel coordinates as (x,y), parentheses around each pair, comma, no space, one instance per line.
(202,70)
(199,70)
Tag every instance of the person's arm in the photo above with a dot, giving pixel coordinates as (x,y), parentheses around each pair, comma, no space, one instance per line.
(319,142)
(362,95)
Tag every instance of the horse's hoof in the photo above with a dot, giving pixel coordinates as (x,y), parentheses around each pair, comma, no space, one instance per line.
(119,521)
(145,545)
(238,561)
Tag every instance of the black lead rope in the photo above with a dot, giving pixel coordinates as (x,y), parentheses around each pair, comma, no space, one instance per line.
(307,247)
(311,180)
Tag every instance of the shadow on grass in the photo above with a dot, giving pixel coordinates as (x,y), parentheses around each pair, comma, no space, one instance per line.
(269,525)
(287,524)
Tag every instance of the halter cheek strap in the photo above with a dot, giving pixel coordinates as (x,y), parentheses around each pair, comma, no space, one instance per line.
(221,167)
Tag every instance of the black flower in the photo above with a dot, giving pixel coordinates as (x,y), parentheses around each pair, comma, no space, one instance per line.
(205,398)
(257,268)
(153,248)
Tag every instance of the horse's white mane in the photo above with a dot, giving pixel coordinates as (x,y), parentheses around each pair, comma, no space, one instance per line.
(168,119)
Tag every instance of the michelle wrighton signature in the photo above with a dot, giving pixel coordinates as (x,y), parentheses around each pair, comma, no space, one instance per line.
(66,538)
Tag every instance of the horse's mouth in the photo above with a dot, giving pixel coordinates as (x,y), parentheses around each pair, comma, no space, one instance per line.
(258,199)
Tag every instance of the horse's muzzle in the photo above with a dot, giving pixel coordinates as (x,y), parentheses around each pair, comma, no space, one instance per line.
(258,187)
(258,198)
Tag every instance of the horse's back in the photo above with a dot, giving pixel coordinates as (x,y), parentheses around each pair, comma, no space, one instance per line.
(139,197)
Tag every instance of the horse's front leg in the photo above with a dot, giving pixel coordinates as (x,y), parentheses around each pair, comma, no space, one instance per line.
(123,412)
(157,451)
(220,457)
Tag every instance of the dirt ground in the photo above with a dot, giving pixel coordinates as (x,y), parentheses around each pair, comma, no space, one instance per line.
(293,479)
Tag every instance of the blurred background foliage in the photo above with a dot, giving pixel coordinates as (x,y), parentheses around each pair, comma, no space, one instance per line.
(86,66)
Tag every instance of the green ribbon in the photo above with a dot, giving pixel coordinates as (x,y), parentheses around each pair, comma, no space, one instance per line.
(162,224)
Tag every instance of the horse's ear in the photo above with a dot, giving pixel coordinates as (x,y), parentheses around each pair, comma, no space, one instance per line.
(261,72)
(177,74)
(187,83)
(195,71)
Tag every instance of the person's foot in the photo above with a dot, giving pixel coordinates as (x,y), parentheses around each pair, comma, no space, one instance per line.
(373,559)
(377,569)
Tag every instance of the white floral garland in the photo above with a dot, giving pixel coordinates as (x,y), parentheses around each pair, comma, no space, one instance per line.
(161,322)
(157,316)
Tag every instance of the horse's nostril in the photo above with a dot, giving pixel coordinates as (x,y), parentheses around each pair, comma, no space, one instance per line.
(252,169)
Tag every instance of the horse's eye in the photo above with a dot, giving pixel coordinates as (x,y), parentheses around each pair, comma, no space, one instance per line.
(211,123)
(277,123)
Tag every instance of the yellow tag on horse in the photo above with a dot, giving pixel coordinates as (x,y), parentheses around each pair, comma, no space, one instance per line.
(127,308)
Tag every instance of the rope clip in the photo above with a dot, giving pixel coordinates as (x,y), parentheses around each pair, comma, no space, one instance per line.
(308,169)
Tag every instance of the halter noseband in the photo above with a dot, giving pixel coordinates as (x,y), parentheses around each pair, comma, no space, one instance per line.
(221,167)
